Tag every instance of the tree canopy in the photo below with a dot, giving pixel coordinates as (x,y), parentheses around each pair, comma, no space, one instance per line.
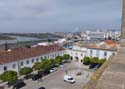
(9,76)
(94,60)
(25,71)
(86,60)
(66,56)
(102,61)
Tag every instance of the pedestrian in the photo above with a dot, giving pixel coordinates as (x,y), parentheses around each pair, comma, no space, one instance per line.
(66,72)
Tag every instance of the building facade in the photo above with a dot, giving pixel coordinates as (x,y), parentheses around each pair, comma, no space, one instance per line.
(26,57)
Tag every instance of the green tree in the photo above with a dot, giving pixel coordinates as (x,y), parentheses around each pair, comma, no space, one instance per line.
(86,60)
(25,71)
(52,61)
(9,76)
(66,56)
(58,59)
(45,64)
(94,60)
(102,61)
(37,66)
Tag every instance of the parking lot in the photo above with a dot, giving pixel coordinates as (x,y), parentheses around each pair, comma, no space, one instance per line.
(55,79)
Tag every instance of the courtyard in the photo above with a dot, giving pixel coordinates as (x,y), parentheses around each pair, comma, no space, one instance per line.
(55,79)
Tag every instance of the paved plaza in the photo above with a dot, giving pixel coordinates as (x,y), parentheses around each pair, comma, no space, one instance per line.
(55,80)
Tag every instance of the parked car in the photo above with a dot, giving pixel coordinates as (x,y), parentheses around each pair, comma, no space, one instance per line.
(92,65)
(41,88)
(97,66)
(13,82)
(1,87)
(53,70)
(69,79)
(56,65)
(19,85)
(29,76)
(44,72)
(62,66)
(36,77)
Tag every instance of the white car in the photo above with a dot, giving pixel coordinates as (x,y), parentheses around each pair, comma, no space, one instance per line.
(53,70)
(69,79)
(62,66)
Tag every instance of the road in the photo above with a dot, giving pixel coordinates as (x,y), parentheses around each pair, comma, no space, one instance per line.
(55,80)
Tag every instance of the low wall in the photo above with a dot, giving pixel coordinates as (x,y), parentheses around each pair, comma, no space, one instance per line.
(95,77)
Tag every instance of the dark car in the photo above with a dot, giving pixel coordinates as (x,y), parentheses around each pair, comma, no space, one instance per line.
(41,88)
(13,82)
(44,72)
(19,85)
(28,76)
(36,77)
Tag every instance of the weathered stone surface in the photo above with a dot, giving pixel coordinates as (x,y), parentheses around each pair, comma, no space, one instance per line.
(123,21)
(114,75)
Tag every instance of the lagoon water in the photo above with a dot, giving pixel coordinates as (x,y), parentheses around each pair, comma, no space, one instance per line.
(19,39)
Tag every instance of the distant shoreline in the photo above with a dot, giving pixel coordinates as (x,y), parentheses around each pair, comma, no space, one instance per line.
(6,38)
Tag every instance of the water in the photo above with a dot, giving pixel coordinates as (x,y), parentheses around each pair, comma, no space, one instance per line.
(19,39)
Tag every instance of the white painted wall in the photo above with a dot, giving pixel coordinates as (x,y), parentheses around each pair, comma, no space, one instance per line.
(10,65)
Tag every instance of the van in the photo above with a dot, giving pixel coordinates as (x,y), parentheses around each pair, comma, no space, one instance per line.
(69,79)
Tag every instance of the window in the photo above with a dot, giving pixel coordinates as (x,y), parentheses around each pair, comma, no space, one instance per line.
(32,60)
(97,53)
(5,68)
(37,59)
(45,57)
(91,51)
(76,54)
(27,62)
(113,54)
(14,65)
(105,54)
(53,55)
(21,63)
(81,54)
(71,52)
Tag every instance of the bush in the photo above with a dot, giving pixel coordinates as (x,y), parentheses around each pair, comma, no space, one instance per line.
(86,60)
(25,71)
(102,61)
(94,60)
(9,76)
(66,56)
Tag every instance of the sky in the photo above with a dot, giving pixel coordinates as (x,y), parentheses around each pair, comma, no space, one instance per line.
(59,15)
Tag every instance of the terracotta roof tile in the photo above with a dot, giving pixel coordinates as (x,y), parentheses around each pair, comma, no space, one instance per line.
(23,53)
(110,42)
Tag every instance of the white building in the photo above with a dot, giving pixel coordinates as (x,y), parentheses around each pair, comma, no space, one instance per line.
(26,57)
(101,50)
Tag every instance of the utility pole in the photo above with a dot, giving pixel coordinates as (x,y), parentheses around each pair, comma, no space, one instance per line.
(6,46)
(18,62)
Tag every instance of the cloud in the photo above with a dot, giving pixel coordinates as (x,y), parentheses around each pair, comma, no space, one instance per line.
(58,15)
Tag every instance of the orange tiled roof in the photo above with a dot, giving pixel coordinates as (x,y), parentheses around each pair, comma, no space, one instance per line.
(23,53)
(110,42)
